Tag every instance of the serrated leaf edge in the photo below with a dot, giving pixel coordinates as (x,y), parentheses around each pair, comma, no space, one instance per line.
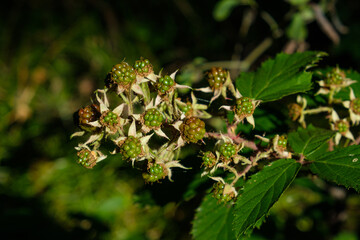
(238,235)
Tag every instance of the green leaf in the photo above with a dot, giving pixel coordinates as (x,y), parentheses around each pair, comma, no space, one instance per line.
(309,141)
(279,77)
(261,192)
(213,221)
(341,166)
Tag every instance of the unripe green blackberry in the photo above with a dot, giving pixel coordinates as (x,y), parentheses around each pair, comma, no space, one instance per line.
(244,107)
(111,120)
(86,158)
(143,67)
(123,74)
(153,118)
(282,141)
(208,159)
(192,129)
(88,114)
(281,144)
(227,150)
(216,77)
(165,84)
(335,77)
(218,193)
(130,148)
(294,111)
(355,106)
(187,109)
(342,126)
(155,173)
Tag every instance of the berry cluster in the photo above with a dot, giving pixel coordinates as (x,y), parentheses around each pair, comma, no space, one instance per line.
(355,106)
(88,114)
(227,150)
(342,126)
(143,67)
(282,142)
(153,118)
(335,77)
(138,90)
(208,159)
(244,107)
(110,118)
(86,158)
(130,148)
(218,193)
(187,109)
(216,77)
(165,84)
(123,74)
(192,129)
(155,173)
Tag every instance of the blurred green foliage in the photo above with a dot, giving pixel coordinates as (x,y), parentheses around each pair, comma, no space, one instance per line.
(54,54)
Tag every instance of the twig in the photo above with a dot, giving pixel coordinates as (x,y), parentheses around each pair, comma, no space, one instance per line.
(236,139)
(325,25)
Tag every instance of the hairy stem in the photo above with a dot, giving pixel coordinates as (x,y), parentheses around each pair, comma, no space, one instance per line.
(317,110)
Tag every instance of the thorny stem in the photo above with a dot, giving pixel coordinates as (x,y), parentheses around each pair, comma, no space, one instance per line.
(241,174)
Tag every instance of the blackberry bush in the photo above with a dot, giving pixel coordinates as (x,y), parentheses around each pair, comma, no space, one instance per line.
(129,127)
